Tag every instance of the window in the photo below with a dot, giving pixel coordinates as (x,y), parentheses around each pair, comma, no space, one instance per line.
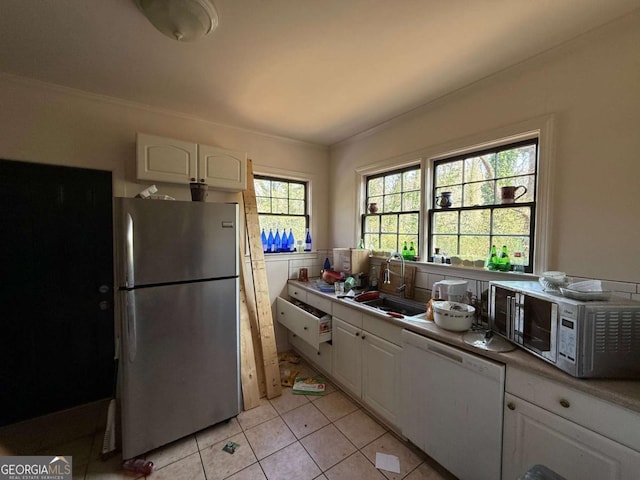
(395,219)
(282,205)
(476,216)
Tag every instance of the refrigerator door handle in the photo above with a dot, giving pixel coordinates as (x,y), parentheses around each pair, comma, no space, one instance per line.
(130,280)
(132,344)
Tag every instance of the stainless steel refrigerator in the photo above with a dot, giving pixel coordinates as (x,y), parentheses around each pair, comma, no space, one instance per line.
(178,303)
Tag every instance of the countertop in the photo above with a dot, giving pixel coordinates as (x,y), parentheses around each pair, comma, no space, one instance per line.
(625,393)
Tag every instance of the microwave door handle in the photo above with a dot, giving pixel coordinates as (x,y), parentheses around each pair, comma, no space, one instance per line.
(509,320)
(518,316)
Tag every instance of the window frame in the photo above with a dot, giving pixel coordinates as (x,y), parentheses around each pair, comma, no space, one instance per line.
(543,127)
(280,178)
(380,214)
(492,207)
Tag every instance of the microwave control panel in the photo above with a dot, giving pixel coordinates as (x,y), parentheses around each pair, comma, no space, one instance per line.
(568,332)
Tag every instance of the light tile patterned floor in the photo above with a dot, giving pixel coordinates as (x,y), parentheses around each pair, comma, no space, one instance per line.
(289,437)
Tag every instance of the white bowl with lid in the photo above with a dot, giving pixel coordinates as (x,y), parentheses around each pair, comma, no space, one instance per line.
(454,316)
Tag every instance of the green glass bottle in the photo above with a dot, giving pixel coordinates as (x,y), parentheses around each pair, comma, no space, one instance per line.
(504,263)
(405,251)
(492,261)
(412,252)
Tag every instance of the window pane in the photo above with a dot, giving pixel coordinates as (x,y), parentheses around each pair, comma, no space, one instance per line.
(479,168)
(371,241)
(389,223)
(408,223)
(280,205)
(411,180)
(372,224)
(475,222)
(449,173)
(264,204)
(447,244)
(262,187)
(279,189)
(512,221)
(393,203)
(479,193)
(476,246)
(296,207)
(517,161)
(392,184)
(388,242)
(411,201)
(296,190)
(445,222)
(376,186)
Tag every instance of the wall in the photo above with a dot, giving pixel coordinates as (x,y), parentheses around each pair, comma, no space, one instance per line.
(49,124)
(591,87)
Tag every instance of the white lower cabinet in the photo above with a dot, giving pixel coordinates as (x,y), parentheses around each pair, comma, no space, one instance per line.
(367,365)
(567,431)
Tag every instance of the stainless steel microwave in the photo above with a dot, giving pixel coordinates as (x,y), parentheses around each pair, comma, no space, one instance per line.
(597,339)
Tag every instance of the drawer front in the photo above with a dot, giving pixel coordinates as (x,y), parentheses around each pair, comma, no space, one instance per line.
(382,329)
(320,357)
(297,293)
(608,419)
(303,324)
(349,315)
(321,303)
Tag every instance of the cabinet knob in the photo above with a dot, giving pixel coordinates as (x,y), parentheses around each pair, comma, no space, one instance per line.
(193,179)
(306,328)
(363,337)
(511,406)
(565,403)
(318,353)
(357,334)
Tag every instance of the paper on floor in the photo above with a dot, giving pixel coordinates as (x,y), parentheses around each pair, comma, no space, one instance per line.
(390,463)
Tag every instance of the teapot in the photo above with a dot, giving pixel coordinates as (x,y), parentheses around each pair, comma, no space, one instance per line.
(450,290)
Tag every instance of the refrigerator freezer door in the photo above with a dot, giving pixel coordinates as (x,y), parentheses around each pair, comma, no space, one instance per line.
(179,363)
(171,241)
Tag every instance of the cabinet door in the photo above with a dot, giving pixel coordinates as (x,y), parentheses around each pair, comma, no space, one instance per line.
(222,169)
(381,376)
(347,356)
(533,436)
(166,160)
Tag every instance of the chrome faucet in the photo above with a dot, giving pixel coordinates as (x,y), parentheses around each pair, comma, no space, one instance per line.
(388,272)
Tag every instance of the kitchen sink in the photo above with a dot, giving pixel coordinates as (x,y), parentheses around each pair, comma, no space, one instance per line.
(398,305)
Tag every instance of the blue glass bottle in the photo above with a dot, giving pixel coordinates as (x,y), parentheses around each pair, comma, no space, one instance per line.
(285,241)
(307,242)
(270,241)
(278,241)
(292,242)
(263,237)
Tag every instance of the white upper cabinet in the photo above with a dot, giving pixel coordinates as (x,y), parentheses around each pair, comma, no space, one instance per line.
(222,169)
(168,160)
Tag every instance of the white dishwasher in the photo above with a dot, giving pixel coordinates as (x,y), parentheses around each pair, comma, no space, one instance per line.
(452,406)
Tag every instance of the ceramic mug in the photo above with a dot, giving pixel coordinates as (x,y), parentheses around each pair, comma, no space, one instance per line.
(508,193)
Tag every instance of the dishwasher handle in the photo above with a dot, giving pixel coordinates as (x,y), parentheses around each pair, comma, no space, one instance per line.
(446,353)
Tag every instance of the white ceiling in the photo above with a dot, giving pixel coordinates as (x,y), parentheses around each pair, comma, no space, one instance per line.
(313,70)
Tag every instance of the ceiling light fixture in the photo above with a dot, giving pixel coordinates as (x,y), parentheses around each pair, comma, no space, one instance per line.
(182,20)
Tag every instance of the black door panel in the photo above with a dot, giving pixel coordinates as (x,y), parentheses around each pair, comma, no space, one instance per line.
(56,343)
